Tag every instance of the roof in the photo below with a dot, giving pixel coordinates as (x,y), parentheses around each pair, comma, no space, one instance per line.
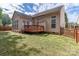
(20,14)
(40,13)
(48,11)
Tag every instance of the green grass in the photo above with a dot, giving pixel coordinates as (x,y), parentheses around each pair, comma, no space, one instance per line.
(15,44)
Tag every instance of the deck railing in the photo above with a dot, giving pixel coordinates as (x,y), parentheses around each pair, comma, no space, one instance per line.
(33,28)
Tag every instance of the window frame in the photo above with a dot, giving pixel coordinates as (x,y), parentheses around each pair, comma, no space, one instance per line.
(53,21)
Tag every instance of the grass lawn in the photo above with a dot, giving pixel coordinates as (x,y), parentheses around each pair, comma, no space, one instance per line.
(36,44)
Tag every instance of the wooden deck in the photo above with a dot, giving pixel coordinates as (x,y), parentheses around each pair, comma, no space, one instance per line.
(33,28)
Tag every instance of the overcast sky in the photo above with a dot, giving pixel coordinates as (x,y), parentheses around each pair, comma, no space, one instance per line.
(71,9)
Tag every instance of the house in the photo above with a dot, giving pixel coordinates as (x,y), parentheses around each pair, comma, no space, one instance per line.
(52,20)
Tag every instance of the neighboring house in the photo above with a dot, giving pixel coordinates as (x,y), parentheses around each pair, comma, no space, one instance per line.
(52,20)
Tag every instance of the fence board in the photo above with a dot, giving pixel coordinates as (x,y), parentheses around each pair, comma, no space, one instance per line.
(5,28)
(69,32)
(73,33)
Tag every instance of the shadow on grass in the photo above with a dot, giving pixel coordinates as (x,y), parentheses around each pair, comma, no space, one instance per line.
(37,33)
(33,51)
(3,33)
(8,46)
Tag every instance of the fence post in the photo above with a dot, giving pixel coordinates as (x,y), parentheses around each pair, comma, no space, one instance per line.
(76,34)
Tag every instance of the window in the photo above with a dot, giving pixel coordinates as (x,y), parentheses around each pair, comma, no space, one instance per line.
(53,21)
(15,24)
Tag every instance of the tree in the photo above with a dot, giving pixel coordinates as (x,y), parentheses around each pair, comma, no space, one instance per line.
(0,13)
(6,20)
(0,16)
(66,21)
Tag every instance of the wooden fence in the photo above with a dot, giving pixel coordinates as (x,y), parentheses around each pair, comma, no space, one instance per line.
(73,33)
(69,32)
(77,34)
(5,28)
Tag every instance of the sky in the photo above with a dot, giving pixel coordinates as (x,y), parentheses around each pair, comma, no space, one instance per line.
(72,9)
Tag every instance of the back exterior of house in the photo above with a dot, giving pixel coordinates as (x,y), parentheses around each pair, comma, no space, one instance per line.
(52,20)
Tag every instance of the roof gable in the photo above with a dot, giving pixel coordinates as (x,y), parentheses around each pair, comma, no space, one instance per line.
(40,13)
(48,11)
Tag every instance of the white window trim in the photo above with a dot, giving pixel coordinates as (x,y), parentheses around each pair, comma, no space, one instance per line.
(55,21)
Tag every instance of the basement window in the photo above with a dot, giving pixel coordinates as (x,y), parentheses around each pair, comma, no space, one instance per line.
(53,21)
